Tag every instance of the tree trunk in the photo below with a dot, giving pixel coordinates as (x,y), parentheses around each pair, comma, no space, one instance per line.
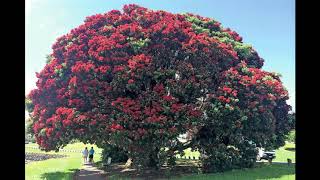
(154,159)
(148,159)
(128,163)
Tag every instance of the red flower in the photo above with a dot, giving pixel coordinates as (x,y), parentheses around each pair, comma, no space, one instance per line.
(227,89)
(195,113)
(66,123)
(176,107)
(73,80)
(159,88)
(227,100)
(234,92)
(221,98)
(141,131)
(130,81)
(49,132)
(139,61)
(118,68)
(168,98)
(115,127)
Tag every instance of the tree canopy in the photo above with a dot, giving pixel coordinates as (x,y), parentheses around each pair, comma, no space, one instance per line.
(139,78)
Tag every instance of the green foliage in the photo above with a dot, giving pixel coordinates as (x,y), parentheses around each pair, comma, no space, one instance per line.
(223,36)
(193,20)
(74,141)
(200,29)
(48,59)
(292,120)
(138,44)
(30,138)
(243,50)
(205,25)
(60,71)
(291,137)
(29,105)
(29,126)
(220,158)
(116,154)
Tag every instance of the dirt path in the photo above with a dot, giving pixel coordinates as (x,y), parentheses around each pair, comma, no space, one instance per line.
(89,172)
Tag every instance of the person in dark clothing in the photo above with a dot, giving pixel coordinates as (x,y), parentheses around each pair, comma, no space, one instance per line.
(91,152)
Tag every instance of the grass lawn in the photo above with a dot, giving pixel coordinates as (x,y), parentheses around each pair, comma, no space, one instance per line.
(62,168)
(274,172)
(285,152)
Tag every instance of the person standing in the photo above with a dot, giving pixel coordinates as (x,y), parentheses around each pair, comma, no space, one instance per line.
(91,152)
(85,155)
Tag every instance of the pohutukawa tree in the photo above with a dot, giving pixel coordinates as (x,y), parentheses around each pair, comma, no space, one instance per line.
(138,79)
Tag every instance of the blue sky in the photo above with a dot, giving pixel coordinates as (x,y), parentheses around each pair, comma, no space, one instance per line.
(269,25)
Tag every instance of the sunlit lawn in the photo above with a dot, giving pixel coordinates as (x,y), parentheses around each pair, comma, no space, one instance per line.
(285,152)
(62,168)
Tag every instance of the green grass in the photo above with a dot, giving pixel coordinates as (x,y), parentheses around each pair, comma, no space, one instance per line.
(285,152)
(74,146)
(265,172)
(62,168)
(274,172)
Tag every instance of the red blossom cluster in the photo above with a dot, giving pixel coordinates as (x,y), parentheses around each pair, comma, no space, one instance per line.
(233,34)
(116,127)
(138,62)
(256,89)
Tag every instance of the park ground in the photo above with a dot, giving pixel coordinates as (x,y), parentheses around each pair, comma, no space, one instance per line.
(65,168)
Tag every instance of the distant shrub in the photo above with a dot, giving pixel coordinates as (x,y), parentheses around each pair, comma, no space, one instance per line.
(292,120)
(30,138)
(74,141)
(291,137)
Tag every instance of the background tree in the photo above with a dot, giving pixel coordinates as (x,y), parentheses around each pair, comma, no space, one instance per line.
(292,120)
(138,79)
(291,137)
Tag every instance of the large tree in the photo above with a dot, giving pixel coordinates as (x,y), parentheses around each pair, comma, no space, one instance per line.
(138,79)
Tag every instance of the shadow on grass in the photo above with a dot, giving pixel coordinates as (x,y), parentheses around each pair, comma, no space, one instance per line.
(59,175)
(261,171)
(290,149)
(187,169)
